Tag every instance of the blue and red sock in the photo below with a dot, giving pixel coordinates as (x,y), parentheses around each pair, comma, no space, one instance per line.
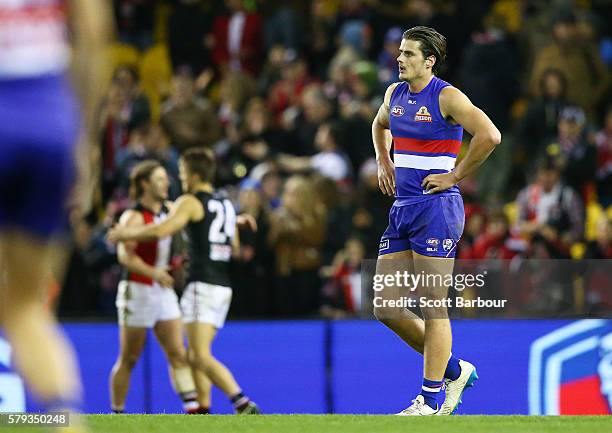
(432,393)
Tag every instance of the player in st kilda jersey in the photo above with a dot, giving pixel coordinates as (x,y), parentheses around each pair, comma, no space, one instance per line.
(210,224)
(146,298)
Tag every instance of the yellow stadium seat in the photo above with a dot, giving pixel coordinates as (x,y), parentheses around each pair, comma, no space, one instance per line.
(121,54)
(155,75)
(594,211)
(511,212)
(577,250)
(511,12)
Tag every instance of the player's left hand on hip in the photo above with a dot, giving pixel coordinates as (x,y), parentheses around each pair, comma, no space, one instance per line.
(435,183)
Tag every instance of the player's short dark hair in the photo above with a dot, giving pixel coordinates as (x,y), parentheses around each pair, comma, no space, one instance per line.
(141,171)
(200,161)
(432,44)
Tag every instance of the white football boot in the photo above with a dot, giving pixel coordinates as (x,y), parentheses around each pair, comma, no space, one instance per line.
(456,388)
(418,408)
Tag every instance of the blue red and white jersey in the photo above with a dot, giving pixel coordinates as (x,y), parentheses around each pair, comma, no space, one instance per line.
(33,38)
(424,142)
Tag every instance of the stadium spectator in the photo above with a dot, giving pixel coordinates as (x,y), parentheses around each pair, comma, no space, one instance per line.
(189,35)
(135,20)
(320,46)
(316,109)
(490,61)
(297,233)
(137,104)
(190,121)
(342,293)
(236,89)
(282,23)
(582,65)
(330,161)
(541,117)
(550,212)
(603,141)
(123,109)
(370,217)
(270,185)
(137,150)
(251,276)
(258,123)
(495,241)
(159,146)
(387,59)
(575,153)
(285,94)
(597,275)
(237,42)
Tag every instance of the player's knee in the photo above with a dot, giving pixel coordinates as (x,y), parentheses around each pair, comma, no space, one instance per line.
(129,360)
(383,313)
(177,357)
(201,358)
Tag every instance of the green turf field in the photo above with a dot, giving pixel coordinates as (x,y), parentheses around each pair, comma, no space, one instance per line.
(338,424)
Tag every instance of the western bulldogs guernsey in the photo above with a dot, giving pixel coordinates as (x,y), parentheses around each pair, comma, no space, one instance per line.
(156,253)
(39,116)
(424,143)
(210,240)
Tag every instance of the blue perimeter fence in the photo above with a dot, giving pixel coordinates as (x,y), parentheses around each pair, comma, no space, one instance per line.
(340,366)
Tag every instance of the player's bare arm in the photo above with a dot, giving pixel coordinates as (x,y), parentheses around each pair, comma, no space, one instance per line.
(380,125)
(126,253)
(92,26)
(457,108)
(186,209)
(246,221)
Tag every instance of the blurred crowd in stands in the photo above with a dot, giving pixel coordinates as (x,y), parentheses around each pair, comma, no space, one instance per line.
(284,92)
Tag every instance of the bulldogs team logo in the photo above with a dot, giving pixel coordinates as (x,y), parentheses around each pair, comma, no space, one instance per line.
(447,244)
(397,110)
(570,370)
(422,115)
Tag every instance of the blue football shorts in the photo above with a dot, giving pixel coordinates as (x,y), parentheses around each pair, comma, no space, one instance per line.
(431,227)
(39,123)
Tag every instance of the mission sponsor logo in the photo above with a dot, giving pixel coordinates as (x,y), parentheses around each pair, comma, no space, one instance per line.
(422,115)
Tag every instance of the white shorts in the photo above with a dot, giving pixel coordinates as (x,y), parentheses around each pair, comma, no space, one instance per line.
(142,306)
(206,303)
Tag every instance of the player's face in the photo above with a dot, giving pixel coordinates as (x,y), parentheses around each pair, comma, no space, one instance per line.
(159,183)
(411,62)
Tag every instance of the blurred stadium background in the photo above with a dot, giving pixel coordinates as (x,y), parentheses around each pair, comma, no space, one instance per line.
(287,90)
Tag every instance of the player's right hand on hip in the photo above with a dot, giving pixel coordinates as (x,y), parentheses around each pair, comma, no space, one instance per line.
(386,176)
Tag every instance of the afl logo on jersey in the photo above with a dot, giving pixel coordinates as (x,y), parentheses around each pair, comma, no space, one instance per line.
(397,110)
(422,115)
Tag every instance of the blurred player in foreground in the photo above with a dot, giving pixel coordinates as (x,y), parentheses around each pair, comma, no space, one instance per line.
(426,117)
(39,127)
(210,223)
(146,297)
